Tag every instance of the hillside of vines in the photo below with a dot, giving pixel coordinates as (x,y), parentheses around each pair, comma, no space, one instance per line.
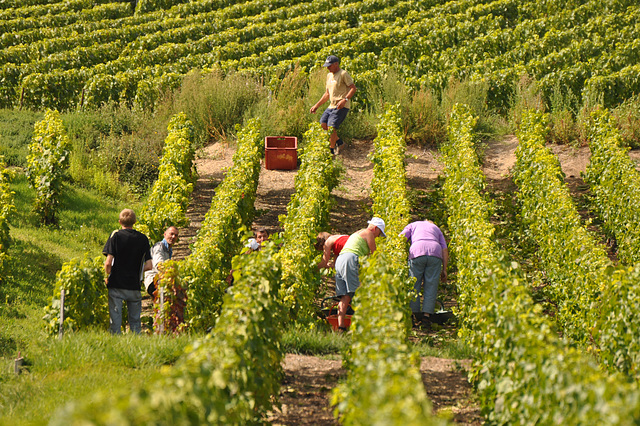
(466,113)
(86,53)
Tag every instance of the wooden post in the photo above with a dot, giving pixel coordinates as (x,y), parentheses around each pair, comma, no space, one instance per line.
(17,363)
(61,329)
(161,319)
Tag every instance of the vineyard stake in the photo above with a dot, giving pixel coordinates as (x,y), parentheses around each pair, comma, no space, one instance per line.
(17,363)
(161,322)
(61,329)
(21,98)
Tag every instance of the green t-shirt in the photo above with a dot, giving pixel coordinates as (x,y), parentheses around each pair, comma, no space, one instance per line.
(357,245)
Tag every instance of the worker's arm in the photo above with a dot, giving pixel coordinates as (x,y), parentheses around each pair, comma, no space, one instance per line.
(445,262)
(371,241)
(343,102)
(326,253)
(323,99)
(148,265)
(108,262)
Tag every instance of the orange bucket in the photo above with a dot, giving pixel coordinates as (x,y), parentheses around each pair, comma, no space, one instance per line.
(333,320)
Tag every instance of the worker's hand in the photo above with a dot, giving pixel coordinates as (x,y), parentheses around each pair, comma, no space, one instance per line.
(313,109)
(443,276)
(341,103)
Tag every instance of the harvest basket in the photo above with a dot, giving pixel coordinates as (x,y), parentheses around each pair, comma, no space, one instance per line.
(281,152)
(441,316)
(330,313)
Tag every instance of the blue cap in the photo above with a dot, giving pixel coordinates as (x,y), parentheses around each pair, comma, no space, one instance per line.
(331,59)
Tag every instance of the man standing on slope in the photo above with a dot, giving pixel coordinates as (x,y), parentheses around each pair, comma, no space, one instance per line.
(359,244)
(339,90)
(128,255)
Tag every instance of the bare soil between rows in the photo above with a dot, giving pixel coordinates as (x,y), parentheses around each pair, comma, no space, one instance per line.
(306,389)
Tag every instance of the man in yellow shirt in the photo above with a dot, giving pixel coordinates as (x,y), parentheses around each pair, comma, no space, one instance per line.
(340,90)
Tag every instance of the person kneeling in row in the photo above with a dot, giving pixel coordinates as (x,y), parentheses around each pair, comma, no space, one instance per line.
(160,252)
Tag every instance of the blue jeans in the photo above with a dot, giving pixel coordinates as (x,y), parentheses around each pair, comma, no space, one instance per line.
(426,270)
(134,309)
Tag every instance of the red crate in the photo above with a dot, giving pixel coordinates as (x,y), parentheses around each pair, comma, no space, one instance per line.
(281,152)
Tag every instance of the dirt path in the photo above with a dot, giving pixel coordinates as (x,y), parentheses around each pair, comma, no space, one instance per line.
(308,380)
(306,389)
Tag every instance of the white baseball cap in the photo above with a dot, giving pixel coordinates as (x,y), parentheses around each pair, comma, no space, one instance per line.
(253,244)
(376,221)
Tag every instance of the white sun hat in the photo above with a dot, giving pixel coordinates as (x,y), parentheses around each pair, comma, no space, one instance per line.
(376,221)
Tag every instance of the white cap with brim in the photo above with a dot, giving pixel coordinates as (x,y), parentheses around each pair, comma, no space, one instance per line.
(253,244)
(376,221)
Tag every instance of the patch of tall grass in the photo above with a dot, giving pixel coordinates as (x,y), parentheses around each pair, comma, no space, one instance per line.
(299,340)
(59,371)
(16,129)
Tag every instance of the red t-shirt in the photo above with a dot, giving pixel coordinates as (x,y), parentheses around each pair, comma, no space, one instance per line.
(339,243)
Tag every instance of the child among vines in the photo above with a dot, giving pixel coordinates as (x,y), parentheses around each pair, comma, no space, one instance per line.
(253,244)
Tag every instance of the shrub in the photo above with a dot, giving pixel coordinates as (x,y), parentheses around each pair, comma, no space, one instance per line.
(285,112)
(627,117)
(213,102)
(7,208)
(384,381)
(307,214)
(615,184)
(574,263)
(168,316)
(205,271)
(46,165)
(524,372)
(85,299)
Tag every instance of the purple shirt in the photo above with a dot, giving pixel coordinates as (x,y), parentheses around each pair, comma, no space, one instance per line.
(426,239)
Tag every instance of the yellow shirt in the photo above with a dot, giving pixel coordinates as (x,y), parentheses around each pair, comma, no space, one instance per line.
(338,86)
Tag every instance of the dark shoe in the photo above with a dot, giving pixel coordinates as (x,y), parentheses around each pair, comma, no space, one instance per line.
(425,325)
(416,318)
(339,142)
(332,152)
(342,330)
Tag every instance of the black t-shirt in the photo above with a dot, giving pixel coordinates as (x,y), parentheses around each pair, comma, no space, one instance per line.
(130,249)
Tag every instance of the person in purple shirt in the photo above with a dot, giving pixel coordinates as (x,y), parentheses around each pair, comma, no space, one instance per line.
(428,259)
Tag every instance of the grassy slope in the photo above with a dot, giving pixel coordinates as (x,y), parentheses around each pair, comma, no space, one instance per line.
(59,371)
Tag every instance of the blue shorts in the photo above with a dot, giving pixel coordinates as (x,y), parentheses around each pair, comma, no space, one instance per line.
(333,117)
(347,274)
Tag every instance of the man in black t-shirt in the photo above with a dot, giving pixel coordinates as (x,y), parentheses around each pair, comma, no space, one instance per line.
(128,256)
